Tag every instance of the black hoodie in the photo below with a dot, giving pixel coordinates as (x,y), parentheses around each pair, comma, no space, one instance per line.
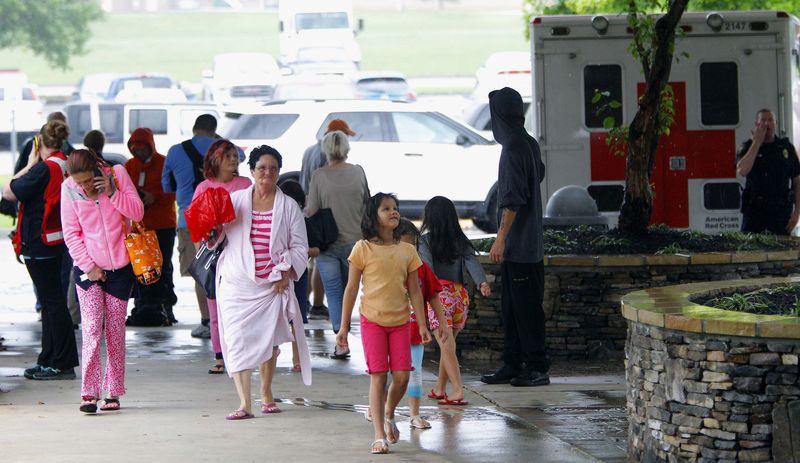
(521,172)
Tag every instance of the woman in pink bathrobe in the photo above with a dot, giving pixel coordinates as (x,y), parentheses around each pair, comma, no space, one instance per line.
(266,252)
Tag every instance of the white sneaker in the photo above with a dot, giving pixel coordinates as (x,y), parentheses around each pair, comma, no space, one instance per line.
(201,331)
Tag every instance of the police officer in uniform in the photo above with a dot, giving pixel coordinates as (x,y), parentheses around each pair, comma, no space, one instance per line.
(771,197)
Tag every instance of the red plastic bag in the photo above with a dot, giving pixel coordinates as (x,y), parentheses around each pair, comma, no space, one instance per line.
(210,210)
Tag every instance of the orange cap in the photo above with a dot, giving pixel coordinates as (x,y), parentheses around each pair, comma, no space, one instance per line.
(341,125)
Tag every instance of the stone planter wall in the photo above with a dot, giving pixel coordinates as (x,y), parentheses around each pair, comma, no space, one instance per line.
(582,295)
(708,385)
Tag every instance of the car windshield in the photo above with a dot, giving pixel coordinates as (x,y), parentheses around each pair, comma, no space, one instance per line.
(383,84)
(261,126)
(332,20)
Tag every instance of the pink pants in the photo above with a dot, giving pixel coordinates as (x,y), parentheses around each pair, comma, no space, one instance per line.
(214,317)
(99,309)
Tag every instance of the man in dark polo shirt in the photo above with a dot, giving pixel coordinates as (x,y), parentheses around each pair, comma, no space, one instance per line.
(771,197)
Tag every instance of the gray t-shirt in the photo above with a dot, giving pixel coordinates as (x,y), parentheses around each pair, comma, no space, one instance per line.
(343,190)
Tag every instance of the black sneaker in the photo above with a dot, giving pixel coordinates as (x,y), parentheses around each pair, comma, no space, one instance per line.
(29,372)
(318,312)
(51,374)
(530,377)
(501,376)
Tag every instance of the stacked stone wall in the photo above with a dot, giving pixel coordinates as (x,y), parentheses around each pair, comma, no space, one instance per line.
(582,296)
(696,397)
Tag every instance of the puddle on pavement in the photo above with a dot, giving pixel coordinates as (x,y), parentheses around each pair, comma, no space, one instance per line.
(476,434)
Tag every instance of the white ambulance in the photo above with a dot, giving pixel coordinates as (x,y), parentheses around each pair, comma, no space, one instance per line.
(738,62)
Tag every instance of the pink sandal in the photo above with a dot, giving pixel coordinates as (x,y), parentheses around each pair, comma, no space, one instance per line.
(296,368)
(239,415)
(271,407)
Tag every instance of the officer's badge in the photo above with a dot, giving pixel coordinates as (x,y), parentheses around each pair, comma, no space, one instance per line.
(785,154)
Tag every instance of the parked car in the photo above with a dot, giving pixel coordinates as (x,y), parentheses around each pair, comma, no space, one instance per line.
(170,123)
(20,109)
(315,87)
(322,60)
(504,69)
(137,81)
(94,87)
(405,149)
(385,85)
(240,77)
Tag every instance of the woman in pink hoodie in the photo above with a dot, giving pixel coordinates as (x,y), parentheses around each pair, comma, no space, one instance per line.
(97,204)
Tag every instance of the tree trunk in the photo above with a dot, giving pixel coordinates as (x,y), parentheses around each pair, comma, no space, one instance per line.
(643,133)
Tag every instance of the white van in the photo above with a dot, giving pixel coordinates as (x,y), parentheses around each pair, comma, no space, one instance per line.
(170,123)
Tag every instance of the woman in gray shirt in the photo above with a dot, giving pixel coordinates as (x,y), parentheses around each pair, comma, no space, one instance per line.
(341,187)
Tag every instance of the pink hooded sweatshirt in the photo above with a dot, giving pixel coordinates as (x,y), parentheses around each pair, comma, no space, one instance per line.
(94,230)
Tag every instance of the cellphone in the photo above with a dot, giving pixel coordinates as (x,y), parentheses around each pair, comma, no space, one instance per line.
(98,173)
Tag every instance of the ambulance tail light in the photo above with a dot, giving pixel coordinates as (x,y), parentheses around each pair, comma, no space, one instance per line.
(536,21)
(782,14)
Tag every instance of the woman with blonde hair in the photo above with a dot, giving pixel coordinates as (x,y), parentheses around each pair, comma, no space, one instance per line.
(341,187)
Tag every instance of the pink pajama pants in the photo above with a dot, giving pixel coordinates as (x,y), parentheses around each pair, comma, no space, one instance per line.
(213,316)
(99,309)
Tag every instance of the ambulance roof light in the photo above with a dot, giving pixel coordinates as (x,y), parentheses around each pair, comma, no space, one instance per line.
(715,21)
(600,24)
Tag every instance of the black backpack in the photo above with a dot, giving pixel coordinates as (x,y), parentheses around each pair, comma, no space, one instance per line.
(197,165)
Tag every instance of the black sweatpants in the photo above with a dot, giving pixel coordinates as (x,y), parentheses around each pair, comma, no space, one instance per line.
(58,336)
(523,315)
(162,291)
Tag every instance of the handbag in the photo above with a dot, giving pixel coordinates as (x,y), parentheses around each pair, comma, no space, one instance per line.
(204,267)
(145,254)
(322,230)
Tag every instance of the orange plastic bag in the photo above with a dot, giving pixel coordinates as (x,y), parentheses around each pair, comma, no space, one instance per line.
(210,210)
(145,254)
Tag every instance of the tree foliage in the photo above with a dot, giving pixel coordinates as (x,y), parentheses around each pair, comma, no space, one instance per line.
(53,29)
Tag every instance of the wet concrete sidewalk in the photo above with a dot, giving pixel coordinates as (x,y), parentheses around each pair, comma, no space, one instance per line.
(174,411)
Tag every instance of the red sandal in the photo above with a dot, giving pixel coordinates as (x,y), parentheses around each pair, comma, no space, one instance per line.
(447,401)
(435,396)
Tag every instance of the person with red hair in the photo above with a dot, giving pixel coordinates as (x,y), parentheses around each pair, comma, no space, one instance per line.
(221,169)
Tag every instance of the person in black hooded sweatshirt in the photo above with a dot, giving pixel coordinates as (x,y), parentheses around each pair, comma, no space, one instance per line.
(518,247)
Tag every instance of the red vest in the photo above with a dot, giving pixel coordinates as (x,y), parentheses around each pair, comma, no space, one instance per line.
(52,234)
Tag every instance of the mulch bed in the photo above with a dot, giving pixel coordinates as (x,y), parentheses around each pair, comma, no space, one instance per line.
(658,240)
(779,300)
